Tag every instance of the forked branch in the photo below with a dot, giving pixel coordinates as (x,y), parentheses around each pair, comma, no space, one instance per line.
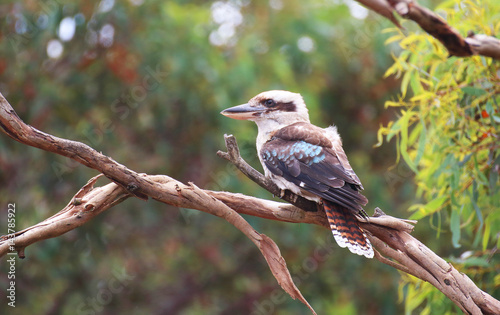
(90,201)
(397,248)
(390,236)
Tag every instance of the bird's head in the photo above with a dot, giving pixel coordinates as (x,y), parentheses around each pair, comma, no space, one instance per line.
(280,107)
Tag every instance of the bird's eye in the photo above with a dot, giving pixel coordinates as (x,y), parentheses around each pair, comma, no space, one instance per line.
(269,103)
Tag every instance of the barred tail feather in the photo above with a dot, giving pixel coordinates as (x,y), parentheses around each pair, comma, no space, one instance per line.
(346,231)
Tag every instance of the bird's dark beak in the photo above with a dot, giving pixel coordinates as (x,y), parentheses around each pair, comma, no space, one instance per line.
(244,112)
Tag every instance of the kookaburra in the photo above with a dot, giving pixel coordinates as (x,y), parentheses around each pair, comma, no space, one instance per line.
(307,160)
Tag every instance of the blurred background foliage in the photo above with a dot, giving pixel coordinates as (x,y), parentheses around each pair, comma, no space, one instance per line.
(144,82)
(448,130)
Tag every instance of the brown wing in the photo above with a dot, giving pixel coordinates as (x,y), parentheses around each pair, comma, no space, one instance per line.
(312,134)
(297,154)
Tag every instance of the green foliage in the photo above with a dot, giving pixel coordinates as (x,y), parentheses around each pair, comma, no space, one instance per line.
(448,133)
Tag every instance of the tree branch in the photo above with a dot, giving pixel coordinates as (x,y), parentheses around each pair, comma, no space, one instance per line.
(90,201)
(437,27)
(83,207)
(390,236)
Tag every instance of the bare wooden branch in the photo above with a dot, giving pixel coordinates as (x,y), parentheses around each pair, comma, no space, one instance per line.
(437,27)
(382,7)
(268,209)
(83,207)
(159,187)
(390,236)
(484,45)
